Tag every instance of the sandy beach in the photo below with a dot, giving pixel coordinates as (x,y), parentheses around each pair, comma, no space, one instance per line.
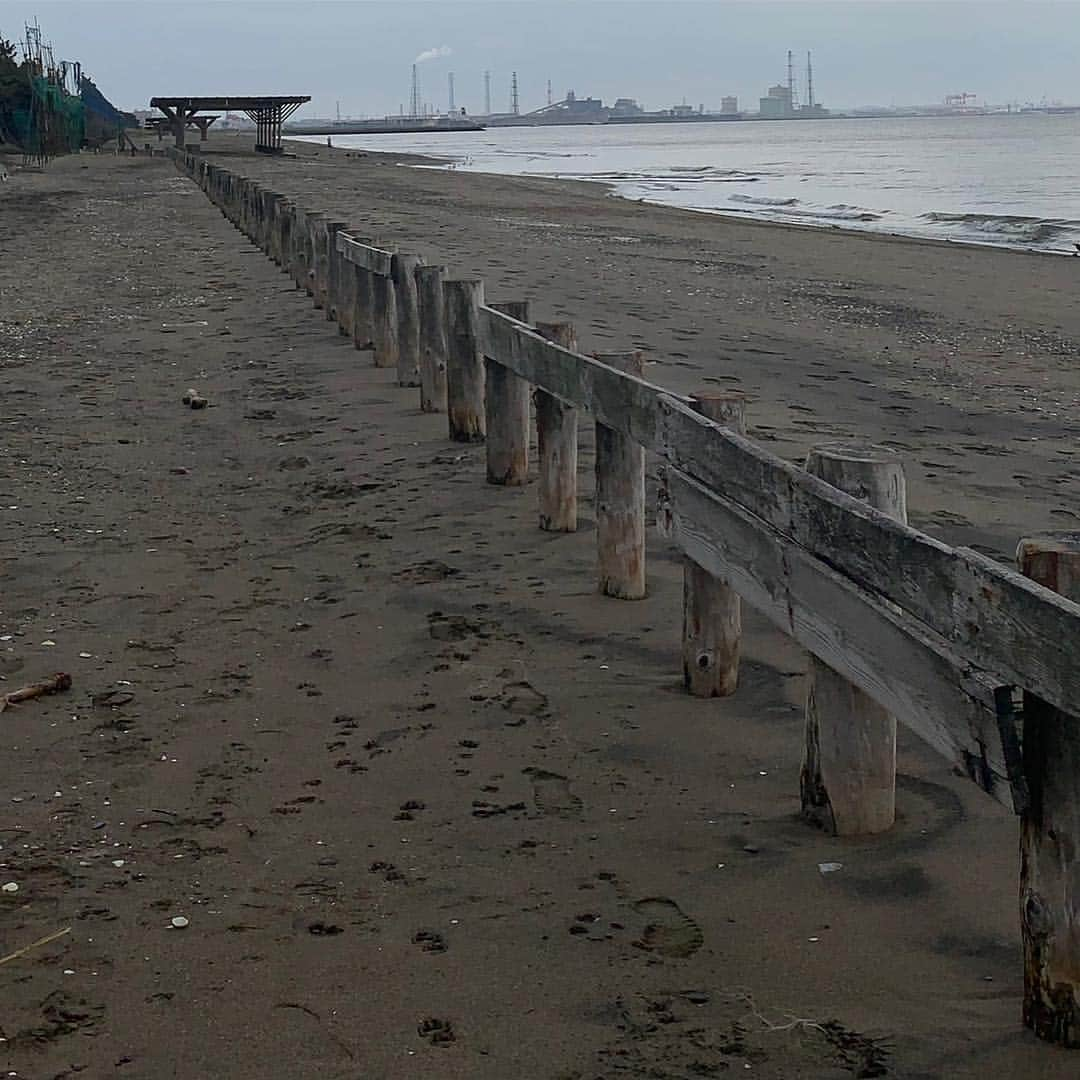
(424,803)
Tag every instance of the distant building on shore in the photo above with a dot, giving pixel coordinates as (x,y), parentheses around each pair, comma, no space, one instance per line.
(729,106)
(778,104)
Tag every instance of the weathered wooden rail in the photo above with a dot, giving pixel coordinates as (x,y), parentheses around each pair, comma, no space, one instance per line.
(977,659)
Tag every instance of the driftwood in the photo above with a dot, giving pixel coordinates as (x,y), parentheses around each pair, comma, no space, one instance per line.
(53,685)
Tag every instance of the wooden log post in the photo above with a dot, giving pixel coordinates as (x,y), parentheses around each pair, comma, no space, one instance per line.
(332,280)
(315,224)
(363,308)
(557,445)
(432,304)
(346,294)
(712,610)
(1050,827)
(620,500)
(848,776)
(506,410)
(406,307)
(464,363)
(384,324)
(286,219)
(299,263)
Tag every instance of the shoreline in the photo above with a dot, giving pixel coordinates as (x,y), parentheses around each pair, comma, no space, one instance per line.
(437,162)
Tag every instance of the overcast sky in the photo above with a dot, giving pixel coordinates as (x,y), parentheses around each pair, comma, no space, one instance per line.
(359,52)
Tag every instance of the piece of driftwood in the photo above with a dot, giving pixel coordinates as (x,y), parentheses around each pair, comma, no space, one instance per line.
(506,409)
(55,684)
(712,610)
(1050,828)
(557,444)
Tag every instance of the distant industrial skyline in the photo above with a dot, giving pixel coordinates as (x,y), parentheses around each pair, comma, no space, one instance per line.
(358,56)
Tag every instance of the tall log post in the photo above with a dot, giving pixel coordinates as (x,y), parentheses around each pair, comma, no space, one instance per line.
(432,304)
(315,220)
(332,281)
(284,235)
(384,326)
(1050,828)
(712,611)
(301,257)
(848,776)
(406,308)
(620,500)
(557,445)
(506,408)
(363,308)
(346,299)
(464,363)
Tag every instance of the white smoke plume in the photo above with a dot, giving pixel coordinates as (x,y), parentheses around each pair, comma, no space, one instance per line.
(433,54)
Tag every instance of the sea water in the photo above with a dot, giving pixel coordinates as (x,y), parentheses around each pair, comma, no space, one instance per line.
(1006,179)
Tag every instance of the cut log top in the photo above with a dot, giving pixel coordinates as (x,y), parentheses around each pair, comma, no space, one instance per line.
(1053,560)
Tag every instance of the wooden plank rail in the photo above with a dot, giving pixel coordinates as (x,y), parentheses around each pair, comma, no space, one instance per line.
(884,652)
(994,617)
(936,637)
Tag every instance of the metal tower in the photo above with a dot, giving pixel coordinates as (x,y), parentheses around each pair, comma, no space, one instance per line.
(450,89)
(809,81)
(791,79)
(414,105)
(487,93)
(514,94)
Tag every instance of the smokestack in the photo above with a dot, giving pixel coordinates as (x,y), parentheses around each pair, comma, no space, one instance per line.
(549,91)
(809,81)
(450,86)
(415,103)
(487,93)
(514,94)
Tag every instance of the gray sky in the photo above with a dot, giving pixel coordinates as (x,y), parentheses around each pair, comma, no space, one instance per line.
(659,51)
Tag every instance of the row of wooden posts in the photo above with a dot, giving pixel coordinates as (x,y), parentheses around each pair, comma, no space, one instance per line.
(894,621)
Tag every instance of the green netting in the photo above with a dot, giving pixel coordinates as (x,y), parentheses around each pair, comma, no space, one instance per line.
(52,122)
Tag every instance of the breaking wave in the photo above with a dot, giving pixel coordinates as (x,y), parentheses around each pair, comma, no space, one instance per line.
(1008,227)
(756,201)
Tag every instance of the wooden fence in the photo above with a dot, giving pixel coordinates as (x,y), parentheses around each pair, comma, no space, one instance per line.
(976,658)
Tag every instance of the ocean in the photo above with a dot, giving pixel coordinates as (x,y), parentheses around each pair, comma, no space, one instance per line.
(1007,180)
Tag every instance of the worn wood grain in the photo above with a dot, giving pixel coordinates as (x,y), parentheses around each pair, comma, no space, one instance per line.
(895,659)
(464,359)
(848,776)
(620,500)
(1050,828)
(712,610)
(432,305)
(406,309)
(556,445)
(506,409)
(372,258)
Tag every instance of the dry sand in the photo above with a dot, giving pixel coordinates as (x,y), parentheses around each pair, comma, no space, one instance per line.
(430,806)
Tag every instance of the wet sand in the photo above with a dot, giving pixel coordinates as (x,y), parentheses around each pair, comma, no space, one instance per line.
(430,806)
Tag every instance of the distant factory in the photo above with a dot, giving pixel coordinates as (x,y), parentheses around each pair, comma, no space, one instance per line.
(782,101)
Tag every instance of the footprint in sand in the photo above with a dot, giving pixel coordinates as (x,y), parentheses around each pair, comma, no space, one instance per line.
(552,794)
(668,930)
